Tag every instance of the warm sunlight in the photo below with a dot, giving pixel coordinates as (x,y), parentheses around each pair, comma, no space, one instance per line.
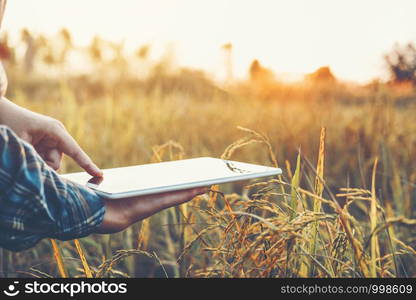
(290,37)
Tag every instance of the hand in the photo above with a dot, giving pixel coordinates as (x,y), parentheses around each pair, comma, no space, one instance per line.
(122,213)
(47,135)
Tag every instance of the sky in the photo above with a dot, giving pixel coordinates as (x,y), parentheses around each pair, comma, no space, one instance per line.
(290,37)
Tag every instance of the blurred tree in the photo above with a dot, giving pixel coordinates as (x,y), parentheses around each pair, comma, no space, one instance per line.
(143,52)
(401,63)
(31,50)
(67,45)
(260,74)
(46,50)
(117,63)
(143,55)
(263,83)
(322,83)
(323,75)
(228,51)
(118,58)
(6,51)
(95,50)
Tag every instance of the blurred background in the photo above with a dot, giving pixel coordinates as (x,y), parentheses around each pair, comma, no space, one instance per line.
(142,81)
(292,38)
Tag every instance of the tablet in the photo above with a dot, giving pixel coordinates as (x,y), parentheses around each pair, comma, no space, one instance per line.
(169,176)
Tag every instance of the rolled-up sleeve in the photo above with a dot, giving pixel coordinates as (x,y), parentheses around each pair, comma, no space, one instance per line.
(35,202)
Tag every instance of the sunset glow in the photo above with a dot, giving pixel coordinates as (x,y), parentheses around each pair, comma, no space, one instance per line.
(290,37)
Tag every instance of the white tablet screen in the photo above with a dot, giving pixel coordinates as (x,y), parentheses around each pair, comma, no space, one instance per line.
(168,175)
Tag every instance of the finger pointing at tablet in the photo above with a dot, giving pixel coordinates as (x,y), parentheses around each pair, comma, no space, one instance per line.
(70,147)
(47,135)
(122,213)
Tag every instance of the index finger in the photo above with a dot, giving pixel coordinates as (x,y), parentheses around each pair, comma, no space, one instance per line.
(70,147)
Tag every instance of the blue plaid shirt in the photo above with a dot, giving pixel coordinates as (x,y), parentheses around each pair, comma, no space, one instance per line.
(36,203)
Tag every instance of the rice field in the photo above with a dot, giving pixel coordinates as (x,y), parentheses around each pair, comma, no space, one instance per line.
(344,206)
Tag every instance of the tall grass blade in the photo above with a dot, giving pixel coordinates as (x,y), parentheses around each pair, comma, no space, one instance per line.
(58,259)
(294,188)
(87,270)
(373,224)
(318,188)
(143,235)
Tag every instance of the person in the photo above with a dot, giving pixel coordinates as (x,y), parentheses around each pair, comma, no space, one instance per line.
(36,203)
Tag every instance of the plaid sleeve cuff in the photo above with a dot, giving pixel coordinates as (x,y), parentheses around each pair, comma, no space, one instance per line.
(36,203)
(79,215)
(84,212)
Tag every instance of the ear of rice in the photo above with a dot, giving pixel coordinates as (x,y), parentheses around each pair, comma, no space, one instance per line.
(355,244)
(319,179)
(319,188)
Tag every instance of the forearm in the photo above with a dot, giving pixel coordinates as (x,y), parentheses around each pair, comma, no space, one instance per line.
(17,117)
(5,107)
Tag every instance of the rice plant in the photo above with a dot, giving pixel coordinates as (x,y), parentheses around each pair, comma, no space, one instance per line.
(344,206)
